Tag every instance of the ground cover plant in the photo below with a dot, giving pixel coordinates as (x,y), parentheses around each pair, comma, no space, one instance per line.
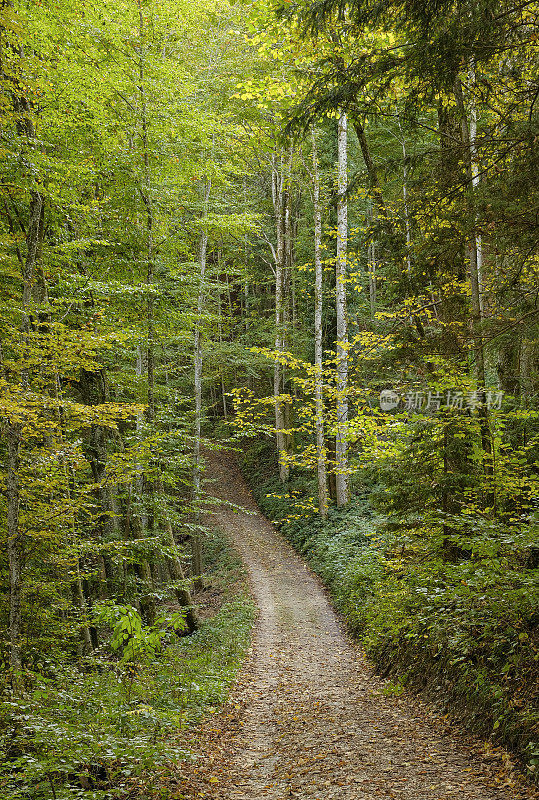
(95,733)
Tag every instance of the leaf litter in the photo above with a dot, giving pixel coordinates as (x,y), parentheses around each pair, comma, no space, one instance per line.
(308,718)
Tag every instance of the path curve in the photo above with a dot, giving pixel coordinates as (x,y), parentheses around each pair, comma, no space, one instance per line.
(314,724)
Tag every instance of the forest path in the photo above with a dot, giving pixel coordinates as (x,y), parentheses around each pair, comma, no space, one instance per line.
(313,722)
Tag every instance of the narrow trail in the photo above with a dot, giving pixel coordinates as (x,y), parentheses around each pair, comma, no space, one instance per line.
(314,724)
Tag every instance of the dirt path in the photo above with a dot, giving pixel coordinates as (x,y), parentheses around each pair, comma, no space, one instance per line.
(314,724)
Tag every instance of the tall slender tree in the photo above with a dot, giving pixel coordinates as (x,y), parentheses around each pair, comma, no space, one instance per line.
(341,450)
(321,457)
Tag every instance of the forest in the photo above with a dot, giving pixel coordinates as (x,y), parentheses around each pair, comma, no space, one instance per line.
(268,260)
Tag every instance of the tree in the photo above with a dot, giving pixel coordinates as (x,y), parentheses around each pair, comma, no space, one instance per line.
(318,338)
(341,464)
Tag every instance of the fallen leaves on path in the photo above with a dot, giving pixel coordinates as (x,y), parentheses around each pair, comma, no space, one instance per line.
(308,719)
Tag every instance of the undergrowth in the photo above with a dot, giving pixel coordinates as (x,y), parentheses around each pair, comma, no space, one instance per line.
(466,632)
(88,733)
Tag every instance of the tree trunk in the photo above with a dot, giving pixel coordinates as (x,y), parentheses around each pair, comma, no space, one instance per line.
(474,168)
(341,466)
(318,343)
(221,371)
(506,367)
(13,432)
(15,543)
(407,222)
(196,547)
(475,259)
(288,295)
(174,565)
(475,282)
(32,243)
(371,261)
(146,199)
(144,487)
(94,390)
(279,205)
(525,370)
(372,172)
(144,572)
(81,603)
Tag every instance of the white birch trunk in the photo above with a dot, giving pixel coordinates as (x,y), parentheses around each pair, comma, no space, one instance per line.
(341,449)
(475,256)
(475,181)
(318,344)
(279,211)
(288,293)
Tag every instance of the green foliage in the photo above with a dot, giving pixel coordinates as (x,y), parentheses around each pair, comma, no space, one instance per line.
(91,734)
(136,642)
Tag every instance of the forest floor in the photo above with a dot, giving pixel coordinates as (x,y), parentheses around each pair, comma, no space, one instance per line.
(309,718)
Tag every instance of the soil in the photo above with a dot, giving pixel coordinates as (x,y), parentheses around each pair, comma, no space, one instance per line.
(309,718)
